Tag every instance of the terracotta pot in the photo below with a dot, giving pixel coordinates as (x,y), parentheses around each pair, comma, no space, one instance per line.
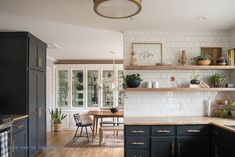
(203,62)
(57,127)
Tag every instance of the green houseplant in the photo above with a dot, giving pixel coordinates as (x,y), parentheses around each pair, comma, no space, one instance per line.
(132,80)
(195,79)
(57,117)
(217,80)
(203,60)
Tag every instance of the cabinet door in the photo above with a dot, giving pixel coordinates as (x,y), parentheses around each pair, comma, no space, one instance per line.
(41,107)
(227,150)
(193,146)
(107,90)
(163,146)
(62,88)
(20,144)
(37,55)
(32,124)
(92,88)
(78,94)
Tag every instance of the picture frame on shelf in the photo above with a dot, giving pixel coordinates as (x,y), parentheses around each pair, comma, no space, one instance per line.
(147,53)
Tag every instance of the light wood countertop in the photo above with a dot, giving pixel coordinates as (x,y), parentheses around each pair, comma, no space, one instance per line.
(220,122)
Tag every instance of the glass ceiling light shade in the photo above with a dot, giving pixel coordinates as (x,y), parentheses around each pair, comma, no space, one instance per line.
(117,9)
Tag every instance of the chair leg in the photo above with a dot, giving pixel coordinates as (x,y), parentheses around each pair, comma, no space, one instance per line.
(81,131)
(75,133)
(87,134)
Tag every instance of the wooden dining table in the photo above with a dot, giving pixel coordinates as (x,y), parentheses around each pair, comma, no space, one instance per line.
(103,114)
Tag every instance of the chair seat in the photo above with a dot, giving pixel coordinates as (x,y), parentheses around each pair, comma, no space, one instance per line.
(85,124)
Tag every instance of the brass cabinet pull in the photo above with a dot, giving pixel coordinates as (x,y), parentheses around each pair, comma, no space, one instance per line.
(137,131)
(216,151)
(39,61)
(39,112)
(137,143)
(193,131)
(173,148)
(163,131)
(19,126)
(178,149)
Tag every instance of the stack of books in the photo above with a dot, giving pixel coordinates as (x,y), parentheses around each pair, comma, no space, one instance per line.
(230,57)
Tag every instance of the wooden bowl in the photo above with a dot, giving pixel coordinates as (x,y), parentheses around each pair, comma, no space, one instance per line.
(203,62)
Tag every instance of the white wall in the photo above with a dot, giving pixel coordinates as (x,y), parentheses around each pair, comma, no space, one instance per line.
(233,38)
(50,90)
(172,103)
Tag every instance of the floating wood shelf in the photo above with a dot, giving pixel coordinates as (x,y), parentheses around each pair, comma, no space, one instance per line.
(180,67)
(180,89)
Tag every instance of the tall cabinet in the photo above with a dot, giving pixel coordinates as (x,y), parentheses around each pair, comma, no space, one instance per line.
(23,83)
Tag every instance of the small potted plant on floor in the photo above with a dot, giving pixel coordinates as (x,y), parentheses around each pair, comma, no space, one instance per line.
(203,60)
(132,81)
(57,118)
(217,80)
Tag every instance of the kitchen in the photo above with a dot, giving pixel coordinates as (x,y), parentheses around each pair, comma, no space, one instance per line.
(178,72)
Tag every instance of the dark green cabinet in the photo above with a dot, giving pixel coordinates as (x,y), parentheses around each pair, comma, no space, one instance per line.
(23,78)
(20,138)
(163,146)
(193,146)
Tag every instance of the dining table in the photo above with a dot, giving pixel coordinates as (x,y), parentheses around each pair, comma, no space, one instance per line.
(103,114)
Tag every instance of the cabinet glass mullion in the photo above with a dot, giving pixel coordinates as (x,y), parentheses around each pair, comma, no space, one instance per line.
(92,88)
(77,88)
(62,91)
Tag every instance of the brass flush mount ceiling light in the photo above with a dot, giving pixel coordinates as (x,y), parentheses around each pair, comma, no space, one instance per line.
(117,9)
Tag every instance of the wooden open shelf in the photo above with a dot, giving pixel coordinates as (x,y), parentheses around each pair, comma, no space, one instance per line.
(180,89)
(179,67)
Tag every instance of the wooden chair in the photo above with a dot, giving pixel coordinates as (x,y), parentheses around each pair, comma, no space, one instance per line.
(82,120)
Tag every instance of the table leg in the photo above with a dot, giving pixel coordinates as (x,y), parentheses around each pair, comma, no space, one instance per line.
(96,123)
(93,131)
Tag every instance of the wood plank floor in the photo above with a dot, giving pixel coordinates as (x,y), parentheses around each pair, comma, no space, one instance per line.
(56,142)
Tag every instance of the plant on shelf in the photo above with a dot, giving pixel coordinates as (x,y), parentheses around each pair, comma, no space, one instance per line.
(217,80)
(233,109)
(203,60)
(132,81)
(57,118)
(195,78)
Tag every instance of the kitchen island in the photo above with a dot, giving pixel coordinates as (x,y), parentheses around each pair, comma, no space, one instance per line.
(179,137)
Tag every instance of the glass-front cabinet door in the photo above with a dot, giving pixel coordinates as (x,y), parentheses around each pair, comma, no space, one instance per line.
(93,88)
(107,92)
(62,88)
(77,88)
(120,89)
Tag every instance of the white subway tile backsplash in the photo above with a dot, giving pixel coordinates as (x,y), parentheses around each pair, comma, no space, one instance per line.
(173,103)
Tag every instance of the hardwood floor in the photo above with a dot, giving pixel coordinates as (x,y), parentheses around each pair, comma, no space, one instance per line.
(56,142)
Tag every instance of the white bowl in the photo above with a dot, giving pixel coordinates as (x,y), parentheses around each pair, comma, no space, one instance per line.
(233,113)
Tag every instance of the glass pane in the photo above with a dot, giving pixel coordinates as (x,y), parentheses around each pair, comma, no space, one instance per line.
(77,88)
(92,88)
(62,95)
(107,88)
(120,89)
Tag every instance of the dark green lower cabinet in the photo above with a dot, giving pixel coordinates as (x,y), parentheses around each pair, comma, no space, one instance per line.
(227,150)
(193,146)
(137,153)
(163,146)
(20,144)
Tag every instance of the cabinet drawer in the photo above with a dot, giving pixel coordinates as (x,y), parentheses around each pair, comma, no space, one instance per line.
(163,130)
(137,131)
(137,153)
(192,130)
(19,125)
(137,142)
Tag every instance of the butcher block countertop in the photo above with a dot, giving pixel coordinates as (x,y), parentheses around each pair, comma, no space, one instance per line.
(220,122)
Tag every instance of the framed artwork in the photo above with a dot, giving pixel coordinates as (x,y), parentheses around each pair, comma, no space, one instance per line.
(147,53)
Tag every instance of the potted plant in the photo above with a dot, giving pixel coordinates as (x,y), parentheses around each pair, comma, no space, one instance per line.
(57,117)
(203,60)
(217,80)
(132,80)
(233,109)
(194,78)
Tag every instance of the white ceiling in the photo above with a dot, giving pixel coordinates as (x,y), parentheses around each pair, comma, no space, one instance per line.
(82,34)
